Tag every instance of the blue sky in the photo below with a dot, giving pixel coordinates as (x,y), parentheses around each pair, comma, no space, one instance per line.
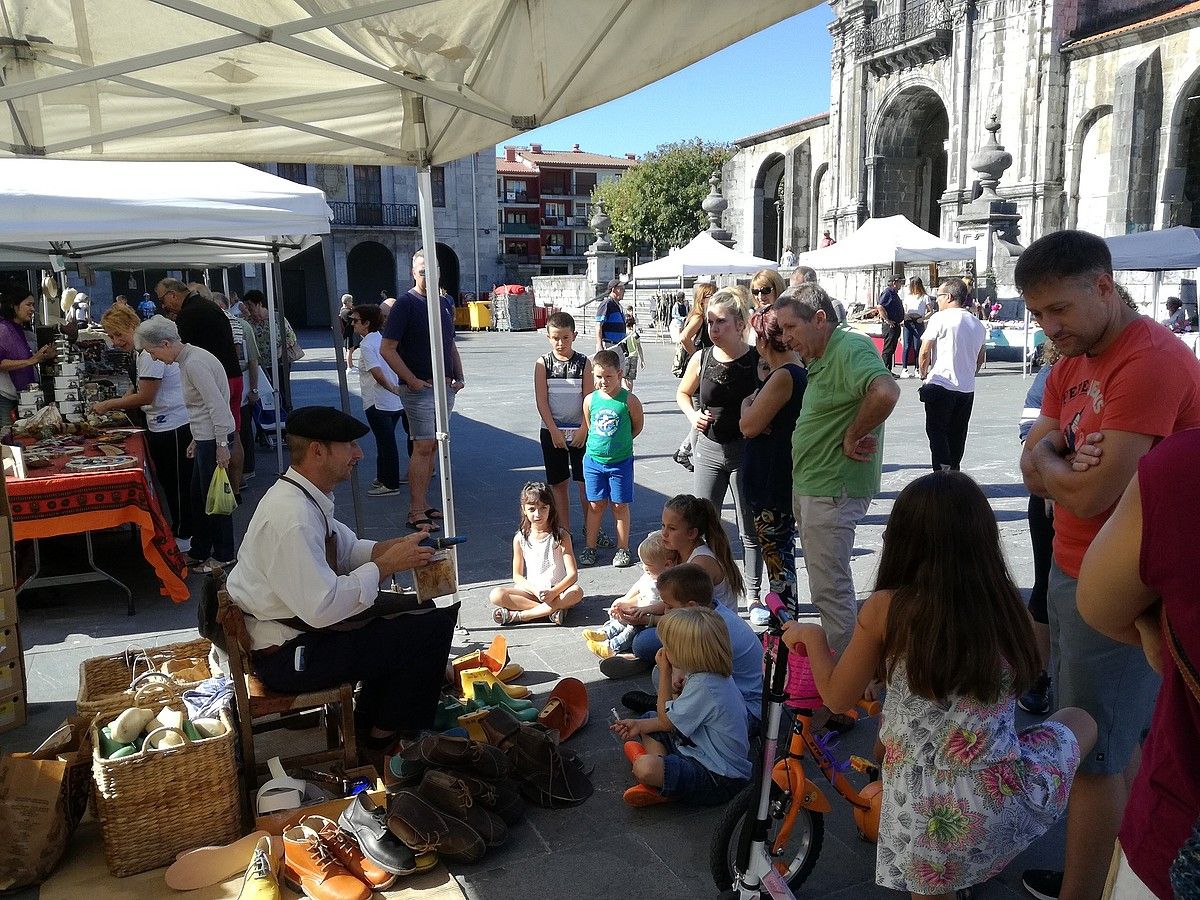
(776,76)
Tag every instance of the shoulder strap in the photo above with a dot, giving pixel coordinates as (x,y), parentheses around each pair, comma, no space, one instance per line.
(1186,669)
(311,498)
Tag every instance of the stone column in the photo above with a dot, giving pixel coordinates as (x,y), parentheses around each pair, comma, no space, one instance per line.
(990,222)
(601,257)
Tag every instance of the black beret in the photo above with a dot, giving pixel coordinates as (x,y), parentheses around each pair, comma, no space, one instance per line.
(324,423)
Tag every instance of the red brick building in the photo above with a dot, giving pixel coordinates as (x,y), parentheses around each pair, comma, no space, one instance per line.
(545,203)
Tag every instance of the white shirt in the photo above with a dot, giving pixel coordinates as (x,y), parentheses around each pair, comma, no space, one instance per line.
(915,304)
(205,393)
(282,572)
(167,412)
(958,337)
(372,394)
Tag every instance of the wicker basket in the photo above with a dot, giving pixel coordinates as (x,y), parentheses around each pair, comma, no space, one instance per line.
(156,803)
(105,681)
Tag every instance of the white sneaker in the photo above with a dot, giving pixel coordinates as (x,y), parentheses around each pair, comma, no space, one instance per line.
(904,373)
(382,491)
(184,544)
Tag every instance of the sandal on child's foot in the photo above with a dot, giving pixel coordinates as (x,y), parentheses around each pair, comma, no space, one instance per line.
(559,616)
(587,556)
(502,616)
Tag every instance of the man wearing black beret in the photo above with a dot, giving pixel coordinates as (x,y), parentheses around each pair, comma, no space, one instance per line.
(301,572)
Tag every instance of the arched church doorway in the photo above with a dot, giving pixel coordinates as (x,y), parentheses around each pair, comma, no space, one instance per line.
(370,268)
(1095,170)
(768,189)
(1187,160)
(449,272)
(910,158)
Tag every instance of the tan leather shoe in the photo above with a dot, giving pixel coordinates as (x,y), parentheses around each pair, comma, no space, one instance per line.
(310,868)
(452,795)
(423,827)
(349,854)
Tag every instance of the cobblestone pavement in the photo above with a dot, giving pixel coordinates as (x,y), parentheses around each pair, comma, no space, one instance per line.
(603,848)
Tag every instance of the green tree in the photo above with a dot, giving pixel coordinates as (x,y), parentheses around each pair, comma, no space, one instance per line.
(657,202)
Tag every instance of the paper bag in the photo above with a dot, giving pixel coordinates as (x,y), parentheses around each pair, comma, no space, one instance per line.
(43,796)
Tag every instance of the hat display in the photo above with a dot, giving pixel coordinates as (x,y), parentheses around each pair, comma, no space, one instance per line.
(324,423)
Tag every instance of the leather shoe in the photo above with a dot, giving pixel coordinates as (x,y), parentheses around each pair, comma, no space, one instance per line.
(501,797)
(457,753)
(350,854)
(368,824)
(451,795)
(639,702)
(311,869)
(262,875)
(424,827)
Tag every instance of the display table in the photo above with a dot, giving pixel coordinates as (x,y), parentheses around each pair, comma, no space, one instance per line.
(56,501)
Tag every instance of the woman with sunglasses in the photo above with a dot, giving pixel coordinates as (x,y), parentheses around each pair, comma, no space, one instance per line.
(765,288)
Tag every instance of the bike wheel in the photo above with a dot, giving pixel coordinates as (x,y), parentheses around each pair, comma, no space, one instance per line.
(798,858)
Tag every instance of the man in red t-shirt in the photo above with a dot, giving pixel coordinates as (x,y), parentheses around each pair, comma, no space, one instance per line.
(1124,384)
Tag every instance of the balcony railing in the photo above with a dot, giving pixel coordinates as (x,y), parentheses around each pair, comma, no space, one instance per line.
(577,249)
(911,37)
(518,228)
(394,215)
(517,197)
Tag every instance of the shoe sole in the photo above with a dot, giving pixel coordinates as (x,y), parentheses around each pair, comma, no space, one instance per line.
(623,667)
(1038,894)
(206,866)
(1038,711)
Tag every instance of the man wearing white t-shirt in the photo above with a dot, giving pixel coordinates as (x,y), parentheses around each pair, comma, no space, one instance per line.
(952,351)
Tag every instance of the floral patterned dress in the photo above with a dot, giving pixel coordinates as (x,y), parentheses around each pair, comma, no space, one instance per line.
(963,791)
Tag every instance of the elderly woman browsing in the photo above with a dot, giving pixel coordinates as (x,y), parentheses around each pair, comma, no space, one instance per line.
(158,393)
(206,396)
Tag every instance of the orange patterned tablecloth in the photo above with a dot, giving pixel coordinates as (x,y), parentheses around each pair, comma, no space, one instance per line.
(56,501)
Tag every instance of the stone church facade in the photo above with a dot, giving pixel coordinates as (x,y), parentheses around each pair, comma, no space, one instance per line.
(1098,101)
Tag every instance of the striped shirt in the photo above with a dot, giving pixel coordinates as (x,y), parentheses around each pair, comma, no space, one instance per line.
(564,384)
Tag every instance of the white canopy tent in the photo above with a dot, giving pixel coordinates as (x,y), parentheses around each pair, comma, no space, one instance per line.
(884,243)
(1157,252)
(126,214)
(702,255)
(409,82)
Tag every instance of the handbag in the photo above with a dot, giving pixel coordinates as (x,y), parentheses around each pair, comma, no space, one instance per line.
(294,351)
(1185,870)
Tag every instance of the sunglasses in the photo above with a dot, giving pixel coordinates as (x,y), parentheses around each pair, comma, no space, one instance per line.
(758,292)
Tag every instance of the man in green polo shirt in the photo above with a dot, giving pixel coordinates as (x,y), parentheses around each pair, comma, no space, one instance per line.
(836,448)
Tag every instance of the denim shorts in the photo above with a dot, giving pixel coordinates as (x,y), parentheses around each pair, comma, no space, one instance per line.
(419,406)
(688,781)
(608,481)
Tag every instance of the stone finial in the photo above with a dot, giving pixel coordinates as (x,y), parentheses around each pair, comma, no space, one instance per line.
(714,207)
(991,161)
(601,223)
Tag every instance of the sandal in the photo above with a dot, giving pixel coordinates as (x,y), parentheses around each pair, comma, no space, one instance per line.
(502,616)
(434,514)
(558,617)
(422,525)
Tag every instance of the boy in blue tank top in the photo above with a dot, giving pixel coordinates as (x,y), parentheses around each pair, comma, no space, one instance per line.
(613,418)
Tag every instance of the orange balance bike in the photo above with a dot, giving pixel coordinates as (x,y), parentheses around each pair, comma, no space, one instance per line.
(770,835)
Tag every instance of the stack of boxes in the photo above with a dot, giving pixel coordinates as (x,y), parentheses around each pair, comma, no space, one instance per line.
(12,666)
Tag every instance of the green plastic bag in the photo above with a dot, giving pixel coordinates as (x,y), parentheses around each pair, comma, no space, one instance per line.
(221,501)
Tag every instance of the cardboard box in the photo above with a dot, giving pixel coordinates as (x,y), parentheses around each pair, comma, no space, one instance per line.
(8,607)
(10,643)
(8,572)
(12,710)
(12,676)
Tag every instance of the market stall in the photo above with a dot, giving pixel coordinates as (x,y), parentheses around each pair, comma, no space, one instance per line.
(1171,249)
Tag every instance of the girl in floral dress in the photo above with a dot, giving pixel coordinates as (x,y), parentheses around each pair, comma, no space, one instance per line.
(963,791)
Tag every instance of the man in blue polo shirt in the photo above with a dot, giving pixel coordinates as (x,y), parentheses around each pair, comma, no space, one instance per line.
(406,349)
(610,320)
(891,319)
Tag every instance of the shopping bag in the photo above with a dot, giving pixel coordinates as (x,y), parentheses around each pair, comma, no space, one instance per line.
(221,501)
(42,798)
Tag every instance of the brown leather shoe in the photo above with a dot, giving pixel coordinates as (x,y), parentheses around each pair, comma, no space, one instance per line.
(457,753)
(310,868)
(423,828)
(451,795)
(501,797)
(349,854)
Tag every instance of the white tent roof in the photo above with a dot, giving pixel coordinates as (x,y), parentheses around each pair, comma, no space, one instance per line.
(1156,251)
(884,242)
(146,213)
(702,255)
(334,80)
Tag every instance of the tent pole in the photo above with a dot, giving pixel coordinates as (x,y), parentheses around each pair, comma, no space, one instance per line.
(1026,356)
(1156,287)
(433,308)
(335,326)
(276,337)
(474,222)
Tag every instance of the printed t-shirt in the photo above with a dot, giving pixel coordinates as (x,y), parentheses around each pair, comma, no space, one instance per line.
(564,388)
(1147,382)
(837,382)
(610,435)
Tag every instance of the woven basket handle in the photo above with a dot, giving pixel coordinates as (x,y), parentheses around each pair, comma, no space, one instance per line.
(134,656)
(150,693)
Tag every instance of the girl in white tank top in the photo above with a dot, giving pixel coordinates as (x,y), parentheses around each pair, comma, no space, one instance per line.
(692,528)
